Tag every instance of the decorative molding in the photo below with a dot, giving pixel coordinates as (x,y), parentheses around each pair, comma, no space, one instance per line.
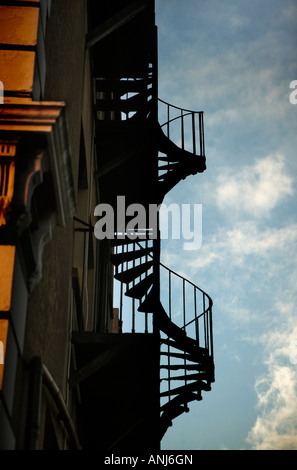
(33,140)
(37,120)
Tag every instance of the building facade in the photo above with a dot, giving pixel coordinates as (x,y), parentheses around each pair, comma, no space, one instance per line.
(89,355)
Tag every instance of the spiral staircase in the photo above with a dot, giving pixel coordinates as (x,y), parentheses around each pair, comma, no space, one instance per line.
(144,147)
(171,151)
(186,349)
(151,298)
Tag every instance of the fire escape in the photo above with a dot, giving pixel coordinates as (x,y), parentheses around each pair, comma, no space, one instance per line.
(139,159)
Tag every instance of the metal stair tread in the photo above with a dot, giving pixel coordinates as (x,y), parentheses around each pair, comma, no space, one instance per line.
(198,385)
(141,288)
(118,258)
(133,273)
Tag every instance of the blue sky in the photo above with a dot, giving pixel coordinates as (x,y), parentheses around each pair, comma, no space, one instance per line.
(235,60)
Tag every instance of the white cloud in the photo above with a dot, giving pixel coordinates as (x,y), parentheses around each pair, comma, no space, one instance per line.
(246,82)
(254,189)
(247,239)
(232,247)
(276,425)
(289,14)
(275,428)
(238,21)
(250,273)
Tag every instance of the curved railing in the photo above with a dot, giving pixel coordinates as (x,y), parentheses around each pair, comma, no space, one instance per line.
(197,324)
(181,148)
(130,257)
(183,314)
(186,365)
(183,126)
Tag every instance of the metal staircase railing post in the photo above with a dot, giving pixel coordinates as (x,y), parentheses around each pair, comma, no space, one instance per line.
(156,267)
(194,133)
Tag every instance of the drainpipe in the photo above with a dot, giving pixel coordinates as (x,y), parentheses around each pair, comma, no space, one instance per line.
(41,376)
(61,405)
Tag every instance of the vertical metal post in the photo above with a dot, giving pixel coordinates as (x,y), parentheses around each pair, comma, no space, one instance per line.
(207,326)
(203,141)
(168,119)
(211,332)
(133,300)
(182,129)
(184,304)
(146,315)
(168,359)
(201,132)
(184,317)
(196,320)
(146,259)
(194,133)
(205,330)
(169,288)
(121,295)
(156,287)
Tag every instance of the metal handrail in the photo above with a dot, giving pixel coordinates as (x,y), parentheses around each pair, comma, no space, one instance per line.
(203,339)
(186,366)
(177,107)
(198,328)
(204,295)
(186,350)
(184,113)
